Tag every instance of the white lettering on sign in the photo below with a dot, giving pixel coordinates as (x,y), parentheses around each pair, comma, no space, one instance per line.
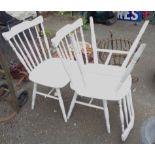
(128,15)
(120,15)
(134,16)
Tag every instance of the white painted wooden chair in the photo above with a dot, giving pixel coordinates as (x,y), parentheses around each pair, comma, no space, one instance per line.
(100,81)
(32,49)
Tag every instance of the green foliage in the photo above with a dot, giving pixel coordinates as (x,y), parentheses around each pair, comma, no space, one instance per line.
(85,23)
(151,17)
(49,33)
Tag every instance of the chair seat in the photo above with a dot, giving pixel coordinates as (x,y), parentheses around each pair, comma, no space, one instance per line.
(101,69)
(50,73)
(101,82)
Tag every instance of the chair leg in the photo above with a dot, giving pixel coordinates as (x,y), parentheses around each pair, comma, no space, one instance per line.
(34,95)
(72,105)
(106,113)
(125,109)
(121,114)
(61,104)
(130,110)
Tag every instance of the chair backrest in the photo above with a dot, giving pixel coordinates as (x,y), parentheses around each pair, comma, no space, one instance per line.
(131,65)
(135,44)
(63,35)
(127,70)
(70,44)
(129,53)
(66,43)
(29,42)
(134,57)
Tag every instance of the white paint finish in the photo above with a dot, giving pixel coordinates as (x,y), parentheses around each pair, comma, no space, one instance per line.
(34,95)
(106,114)
(121,114)
(99,81)
(19,56)
(131,116)
(46,95)
(84,44)
(131,65)
(36,47)
(50,73)
(72,105)
(125,110)
(24,57)
(33,52)
(112,51)
(27,52)
(69,49)
(66,30)
(50,92)
(31,49)
(91,100)
(93,40)
(89,105)
(128,53)
(40,42)
(61,104)
(108,59)
(135,43)
(45,39)
(30,43)
(21,27)
(128,106)
(100,86)
(131,104)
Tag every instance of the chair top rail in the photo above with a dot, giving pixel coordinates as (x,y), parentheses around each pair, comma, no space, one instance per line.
(135,43)
(21,27)
(64,31)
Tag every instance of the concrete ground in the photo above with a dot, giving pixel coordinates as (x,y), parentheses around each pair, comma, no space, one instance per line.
(45,123)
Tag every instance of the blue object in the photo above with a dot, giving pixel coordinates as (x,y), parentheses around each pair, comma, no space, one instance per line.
(135,16)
